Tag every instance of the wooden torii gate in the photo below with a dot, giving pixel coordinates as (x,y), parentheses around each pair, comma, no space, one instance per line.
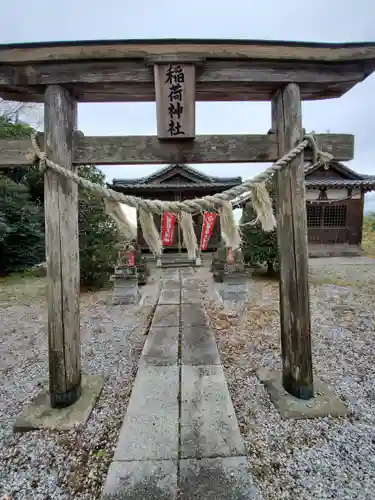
(285,73)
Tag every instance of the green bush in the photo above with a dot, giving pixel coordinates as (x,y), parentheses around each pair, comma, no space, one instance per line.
(22,241)
(21,228)
(368,239)
(258,247)
(98,234)
(10,130)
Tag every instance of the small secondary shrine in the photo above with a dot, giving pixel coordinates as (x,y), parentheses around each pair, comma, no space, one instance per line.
(334,203)
(335,196)
(177,182)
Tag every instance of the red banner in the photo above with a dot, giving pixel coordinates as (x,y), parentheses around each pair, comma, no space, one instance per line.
(209,219)
(167,231)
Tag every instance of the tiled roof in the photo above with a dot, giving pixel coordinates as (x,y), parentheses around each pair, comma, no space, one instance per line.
(201,178)
(368,183)
(180,185)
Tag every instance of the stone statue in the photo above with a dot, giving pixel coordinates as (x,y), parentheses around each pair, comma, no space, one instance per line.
(131,262)
(226,262)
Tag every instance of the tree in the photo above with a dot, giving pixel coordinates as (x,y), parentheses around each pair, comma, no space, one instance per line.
(258,247)
(21,228)
(21,220)
(22,215)
(368,240)
(4,228)
(22,112)
(98,234)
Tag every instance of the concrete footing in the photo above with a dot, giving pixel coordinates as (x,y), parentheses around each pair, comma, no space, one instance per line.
(40,415)
(323,404)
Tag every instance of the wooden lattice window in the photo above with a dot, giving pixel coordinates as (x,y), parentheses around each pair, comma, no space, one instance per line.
(314,215)
(334,216)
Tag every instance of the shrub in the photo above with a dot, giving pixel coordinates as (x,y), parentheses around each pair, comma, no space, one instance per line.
(258,247)
(98,234)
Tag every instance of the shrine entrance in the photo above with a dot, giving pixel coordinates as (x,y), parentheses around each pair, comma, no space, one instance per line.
(177,182)
(176,74)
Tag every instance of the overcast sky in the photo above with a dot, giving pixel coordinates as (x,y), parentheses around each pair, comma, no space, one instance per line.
(318,21)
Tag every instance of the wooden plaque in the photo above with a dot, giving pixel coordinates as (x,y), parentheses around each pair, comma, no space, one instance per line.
(175,100)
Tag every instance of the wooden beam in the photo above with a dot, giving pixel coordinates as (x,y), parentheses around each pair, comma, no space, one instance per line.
(62,251)
(213,49)
(149,150)
(204,92)
(139,72)
(292,243)
(133,80)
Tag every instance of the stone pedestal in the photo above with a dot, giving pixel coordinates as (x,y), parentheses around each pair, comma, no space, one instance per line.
(125,290)
(223,268)
(142,268)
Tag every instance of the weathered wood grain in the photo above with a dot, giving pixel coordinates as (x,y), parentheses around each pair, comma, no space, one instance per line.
(62,251)
(112,150)
(213,49)
(133,80)
(292,243)
(137,71)
(204,93)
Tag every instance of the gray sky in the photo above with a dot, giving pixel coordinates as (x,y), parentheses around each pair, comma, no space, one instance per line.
(319,21)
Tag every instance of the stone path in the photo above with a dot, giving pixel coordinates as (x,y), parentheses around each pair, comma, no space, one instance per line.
(180,437)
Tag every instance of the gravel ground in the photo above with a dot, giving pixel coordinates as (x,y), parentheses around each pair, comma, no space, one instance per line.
(308,459)
(311,459)
(45,465)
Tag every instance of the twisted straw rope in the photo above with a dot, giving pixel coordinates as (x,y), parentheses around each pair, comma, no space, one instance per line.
(190,206)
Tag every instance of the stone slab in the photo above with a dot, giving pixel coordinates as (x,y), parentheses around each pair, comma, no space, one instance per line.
(189,282)
(166,315)
(150,427)
(187,272)
(172,273)
(209,425)
(151,480)
(40,415)
(191,296)
(234,293)
(193,315)
(217,478)
(169,297)
(324,403)
(171,284)
(150,294)
(125,292)
(129,299)
(198,346)
(161,346)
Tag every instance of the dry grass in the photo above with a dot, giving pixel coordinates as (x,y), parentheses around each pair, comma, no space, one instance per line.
(19,290)
(369,246)
(237,333)
(23,290)
(368,239)
(332,281)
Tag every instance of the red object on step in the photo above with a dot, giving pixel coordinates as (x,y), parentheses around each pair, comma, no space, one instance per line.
(209,219)
(167,231)
(131,259)
(230,256)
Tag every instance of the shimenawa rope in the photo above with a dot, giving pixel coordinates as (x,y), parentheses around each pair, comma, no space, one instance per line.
(191,206)
(256,187)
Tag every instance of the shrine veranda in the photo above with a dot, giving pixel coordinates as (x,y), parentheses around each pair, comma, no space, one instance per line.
(176,74)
